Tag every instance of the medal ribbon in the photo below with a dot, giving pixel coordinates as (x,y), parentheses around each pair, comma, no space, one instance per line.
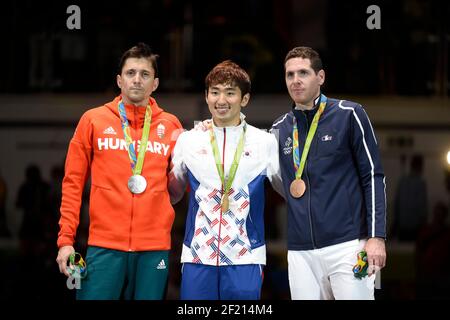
(234,165)
(360,268)
(136,164)
(300,164)
(77,266)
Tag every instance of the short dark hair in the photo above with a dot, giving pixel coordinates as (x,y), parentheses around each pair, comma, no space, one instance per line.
(306,53)
(141,50)
(228,72)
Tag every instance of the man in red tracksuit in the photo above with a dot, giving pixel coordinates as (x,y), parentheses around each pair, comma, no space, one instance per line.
(125,147)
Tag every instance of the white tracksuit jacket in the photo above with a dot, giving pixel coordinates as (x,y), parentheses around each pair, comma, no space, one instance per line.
(234,237)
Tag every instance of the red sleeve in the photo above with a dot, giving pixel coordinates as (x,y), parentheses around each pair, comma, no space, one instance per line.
(77,170)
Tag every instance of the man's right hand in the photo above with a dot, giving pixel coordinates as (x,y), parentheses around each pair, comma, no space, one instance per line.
(63,256)
(203,125)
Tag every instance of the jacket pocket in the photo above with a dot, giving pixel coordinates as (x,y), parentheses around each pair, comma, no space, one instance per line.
(190,226)
(352,208)
(104,187)
(253,234)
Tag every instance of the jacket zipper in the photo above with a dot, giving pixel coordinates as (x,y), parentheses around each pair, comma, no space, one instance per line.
(132,203)
(223,192)
(308,185)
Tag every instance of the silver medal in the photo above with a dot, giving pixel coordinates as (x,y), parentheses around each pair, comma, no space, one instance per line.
(137,184)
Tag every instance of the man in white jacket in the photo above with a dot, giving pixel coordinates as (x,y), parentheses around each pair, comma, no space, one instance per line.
(225,166)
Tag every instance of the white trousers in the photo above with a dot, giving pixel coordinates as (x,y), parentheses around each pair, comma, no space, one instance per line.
(327,273)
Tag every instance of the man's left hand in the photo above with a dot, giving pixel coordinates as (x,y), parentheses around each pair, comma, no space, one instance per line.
(376,255)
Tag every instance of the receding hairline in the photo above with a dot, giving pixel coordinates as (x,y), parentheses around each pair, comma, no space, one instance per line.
(138,58)
(305,53)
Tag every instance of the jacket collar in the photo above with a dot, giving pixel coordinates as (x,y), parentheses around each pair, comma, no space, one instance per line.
(135,114)
(238,127)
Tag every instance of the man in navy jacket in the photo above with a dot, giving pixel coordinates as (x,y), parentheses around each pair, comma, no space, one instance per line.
(334,185)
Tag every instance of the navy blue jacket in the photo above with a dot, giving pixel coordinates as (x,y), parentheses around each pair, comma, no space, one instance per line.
(345,184)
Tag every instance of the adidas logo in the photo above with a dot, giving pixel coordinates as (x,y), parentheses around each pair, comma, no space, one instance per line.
(109,130)
(161,265)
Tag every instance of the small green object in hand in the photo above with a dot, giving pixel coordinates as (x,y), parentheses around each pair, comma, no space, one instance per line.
(360,268)
(77,266)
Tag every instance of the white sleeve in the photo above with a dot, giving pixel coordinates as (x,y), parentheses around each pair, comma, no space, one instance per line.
(273,168)
(178,172)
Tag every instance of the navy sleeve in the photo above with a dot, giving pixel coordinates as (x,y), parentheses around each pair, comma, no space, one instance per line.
(367,156)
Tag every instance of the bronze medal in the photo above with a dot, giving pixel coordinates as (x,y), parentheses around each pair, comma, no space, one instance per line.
(297,188)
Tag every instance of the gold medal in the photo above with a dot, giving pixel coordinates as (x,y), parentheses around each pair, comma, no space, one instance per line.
(227,181)
(225,203)
(297,188)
